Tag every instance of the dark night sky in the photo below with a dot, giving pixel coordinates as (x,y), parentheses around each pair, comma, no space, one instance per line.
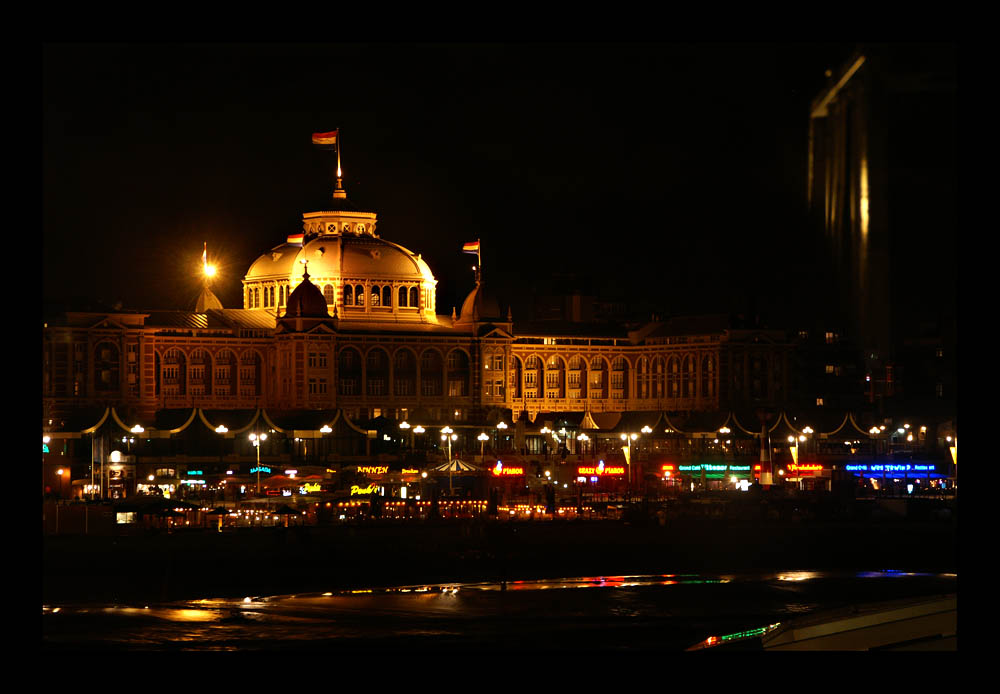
(673,172)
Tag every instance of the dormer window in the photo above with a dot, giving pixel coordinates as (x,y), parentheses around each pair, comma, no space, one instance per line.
(361,228)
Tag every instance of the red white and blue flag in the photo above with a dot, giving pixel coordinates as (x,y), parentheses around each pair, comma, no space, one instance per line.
(326,140)
(295,238)
(471,247)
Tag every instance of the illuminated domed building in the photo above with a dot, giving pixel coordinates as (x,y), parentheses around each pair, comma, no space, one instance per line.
(339,322)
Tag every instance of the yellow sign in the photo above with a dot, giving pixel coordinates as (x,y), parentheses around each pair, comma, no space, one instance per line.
(373,469)
(408,471)
(313,487)
(370,489)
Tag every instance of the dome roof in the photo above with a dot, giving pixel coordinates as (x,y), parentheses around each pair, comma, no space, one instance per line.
(306,301)
(479,306)
(349,255)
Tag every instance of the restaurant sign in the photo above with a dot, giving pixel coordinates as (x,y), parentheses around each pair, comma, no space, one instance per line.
(888,467)
(500,471)
(261,468)
(370,489)
(410,471)
(601,470)
(373,469)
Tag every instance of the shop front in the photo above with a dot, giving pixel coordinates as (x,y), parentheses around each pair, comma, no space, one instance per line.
(901,478)
(602,482)
(715,476)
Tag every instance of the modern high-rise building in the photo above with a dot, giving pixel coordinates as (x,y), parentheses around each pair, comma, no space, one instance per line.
(882,188)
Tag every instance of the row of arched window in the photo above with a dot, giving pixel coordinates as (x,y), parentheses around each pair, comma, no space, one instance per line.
(354,295)
(378,296)
(659,377)
(267,297)
(224,375)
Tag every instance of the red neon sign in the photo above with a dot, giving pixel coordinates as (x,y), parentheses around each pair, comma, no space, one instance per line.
(668,466)
(806,467)
(607,470)
(498,472)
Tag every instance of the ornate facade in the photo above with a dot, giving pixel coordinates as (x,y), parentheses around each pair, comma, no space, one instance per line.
(343,319)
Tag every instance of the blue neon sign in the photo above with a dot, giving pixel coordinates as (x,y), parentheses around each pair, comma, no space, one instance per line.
(262,468)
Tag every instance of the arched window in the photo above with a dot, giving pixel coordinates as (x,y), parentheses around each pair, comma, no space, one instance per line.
(387,296)
(328,294)
(413,297)
(458,373)
(359,294)
(687,377)
(404,373)
(377,372)
(431,372)
(349,371)
(402,296)
(376,295)
(348,295)
(673,377)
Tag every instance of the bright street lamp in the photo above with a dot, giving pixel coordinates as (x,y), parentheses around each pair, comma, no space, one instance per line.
(255,439)
(483,438)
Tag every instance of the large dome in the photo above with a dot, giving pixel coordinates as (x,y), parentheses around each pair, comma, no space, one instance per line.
(359,274)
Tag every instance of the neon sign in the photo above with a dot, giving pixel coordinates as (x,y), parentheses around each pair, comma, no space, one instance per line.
(373,469)
(195,472)
(606,470)
(370,489)
(712,467)
(498,471)
(805,467)
(313,487)
(880,467)
(409,471)
(667,467)
(260,469)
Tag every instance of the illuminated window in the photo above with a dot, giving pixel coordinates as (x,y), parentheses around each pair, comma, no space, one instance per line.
(359,294)
(831,338)
(348,295)
(829,368)
(413,297)
(376,295)
(939,352)
(401,297)
(328,294)
(819,402)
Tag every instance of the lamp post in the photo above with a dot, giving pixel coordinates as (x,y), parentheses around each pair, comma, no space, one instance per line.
(584,438)
(255,439)
(483,438)
(627,450)
(501,427)
(404,425)
(448,435)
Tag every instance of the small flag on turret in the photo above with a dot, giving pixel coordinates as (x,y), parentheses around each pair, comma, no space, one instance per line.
(471,247)
(204,254)
(295,238)
(326,140)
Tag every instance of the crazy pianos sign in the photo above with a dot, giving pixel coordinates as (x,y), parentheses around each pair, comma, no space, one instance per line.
(601,470)
(500,470)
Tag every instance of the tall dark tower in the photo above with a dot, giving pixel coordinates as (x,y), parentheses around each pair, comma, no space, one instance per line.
(882,190)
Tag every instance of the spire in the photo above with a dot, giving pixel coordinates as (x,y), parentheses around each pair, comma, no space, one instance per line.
(339,192)
(305,269)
